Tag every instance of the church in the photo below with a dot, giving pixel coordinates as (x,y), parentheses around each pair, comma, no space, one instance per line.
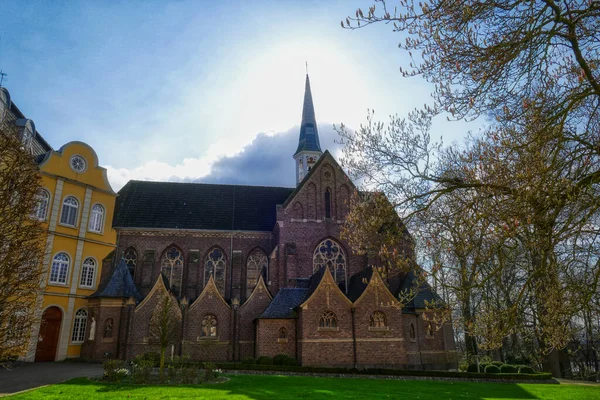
(257,271)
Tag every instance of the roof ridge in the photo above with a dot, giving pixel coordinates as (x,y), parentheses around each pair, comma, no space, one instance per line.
(206,184)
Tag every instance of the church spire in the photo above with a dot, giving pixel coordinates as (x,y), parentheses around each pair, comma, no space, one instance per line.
(309,148)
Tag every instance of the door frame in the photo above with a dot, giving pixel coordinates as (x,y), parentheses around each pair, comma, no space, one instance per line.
(60,328)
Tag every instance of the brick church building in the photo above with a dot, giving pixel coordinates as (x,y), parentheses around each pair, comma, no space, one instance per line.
(257,271)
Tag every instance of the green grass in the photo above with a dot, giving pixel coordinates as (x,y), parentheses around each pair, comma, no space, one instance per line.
(246,387)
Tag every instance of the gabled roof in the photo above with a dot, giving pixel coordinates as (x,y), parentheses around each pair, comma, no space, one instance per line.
(120,284)
(284,303)
(424,294)
(309,135)
(172,205)
(211,287)
(259,288)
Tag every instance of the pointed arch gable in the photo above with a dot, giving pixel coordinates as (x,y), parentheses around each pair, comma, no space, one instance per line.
(326,281)
(159,287)
(376,283)
(260,287)
(210,288)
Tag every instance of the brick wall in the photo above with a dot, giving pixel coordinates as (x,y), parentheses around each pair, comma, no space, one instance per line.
(270,340)
(247,314)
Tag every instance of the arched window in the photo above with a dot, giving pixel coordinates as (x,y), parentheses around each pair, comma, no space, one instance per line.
(329,253)
(108,328)
(172,267)
(282,333)
(215,265)
(209,326)
(88,271)
(328,320)
(255,266)
(41,208)
(328,203)
(411,332)
(79,326)
(130,257)
(96,218)
(68,215)
(60,268)
(378,320)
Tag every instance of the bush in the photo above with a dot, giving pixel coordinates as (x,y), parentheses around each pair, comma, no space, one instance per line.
(280,359)
(497,363)
(264,360)
(483,366)
(189,374)
(472,368)
(110,369)
(508,369)
(524,369)
(151,356)
(248,361)
(180,362)
(141,371)
(492,369)
(291,362)
(209,371)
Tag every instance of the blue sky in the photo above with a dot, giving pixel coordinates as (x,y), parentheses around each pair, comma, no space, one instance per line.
(198,90)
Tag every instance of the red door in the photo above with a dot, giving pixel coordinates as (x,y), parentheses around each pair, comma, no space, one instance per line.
(49,333)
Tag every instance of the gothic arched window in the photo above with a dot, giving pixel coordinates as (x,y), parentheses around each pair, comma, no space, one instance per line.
(328,203)
(282,333)
(108,328)
(79,324)
(215,266)
(378,320)
(172,267)
(130,257)
(430,331)
(328,320)
(411,332)
(329,253)
(255,266)
(209,326)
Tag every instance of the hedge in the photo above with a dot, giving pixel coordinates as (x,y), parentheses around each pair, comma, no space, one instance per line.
(383,371)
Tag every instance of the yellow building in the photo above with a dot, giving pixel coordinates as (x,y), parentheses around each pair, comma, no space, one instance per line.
(76,207)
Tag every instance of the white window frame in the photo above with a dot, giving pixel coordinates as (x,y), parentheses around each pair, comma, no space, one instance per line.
(62,211)
(96,220)
(86,271)
(57,281)
(79,326)
(38,208)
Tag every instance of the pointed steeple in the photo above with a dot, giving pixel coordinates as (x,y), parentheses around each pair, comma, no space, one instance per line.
(309,136)
(309,148)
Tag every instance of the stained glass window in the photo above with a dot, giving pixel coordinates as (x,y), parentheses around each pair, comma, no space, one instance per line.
(130,257)
(378,320)
(215,266)
(172,267)
(329,253)
(209,326)
(328,320)
(255,266)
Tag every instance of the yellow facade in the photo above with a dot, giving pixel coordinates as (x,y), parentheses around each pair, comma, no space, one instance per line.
(79,238)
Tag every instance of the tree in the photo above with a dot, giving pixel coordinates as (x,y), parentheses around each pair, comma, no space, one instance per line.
(164,326)
(22,241)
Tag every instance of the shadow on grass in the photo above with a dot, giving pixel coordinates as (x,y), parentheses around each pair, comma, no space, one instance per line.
(261,387)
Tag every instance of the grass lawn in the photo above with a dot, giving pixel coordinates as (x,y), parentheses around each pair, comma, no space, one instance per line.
(272,387)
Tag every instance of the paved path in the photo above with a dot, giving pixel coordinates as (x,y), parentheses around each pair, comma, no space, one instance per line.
(32,375)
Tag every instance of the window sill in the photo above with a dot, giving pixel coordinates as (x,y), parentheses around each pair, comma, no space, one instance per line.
(323,329)
(67,226)
(280,340)
(86,287)
(95,232)
(58,284)
(428,337)
(77,343)
(207,338)
(379,328)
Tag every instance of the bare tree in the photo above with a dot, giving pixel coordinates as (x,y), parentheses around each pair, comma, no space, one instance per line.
(164,326)
(22,240)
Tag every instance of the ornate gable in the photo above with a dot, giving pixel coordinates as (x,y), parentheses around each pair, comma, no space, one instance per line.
(329,288)
(210,291)
(260,290)
(378,291)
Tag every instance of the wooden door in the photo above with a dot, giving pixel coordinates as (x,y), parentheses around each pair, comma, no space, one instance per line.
(49,335)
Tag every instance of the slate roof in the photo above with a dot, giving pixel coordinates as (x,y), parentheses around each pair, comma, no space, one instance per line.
(425,293)
(284,302)
(357,285)
(173,205)
(120,284)
(309,135)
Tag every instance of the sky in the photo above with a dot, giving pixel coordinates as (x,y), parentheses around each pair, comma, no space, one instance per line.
(201,91)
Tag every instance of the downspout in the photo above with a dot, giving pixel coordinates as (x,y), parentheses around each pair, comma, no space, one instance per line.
(231,247)
(419,341)
(353,310)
